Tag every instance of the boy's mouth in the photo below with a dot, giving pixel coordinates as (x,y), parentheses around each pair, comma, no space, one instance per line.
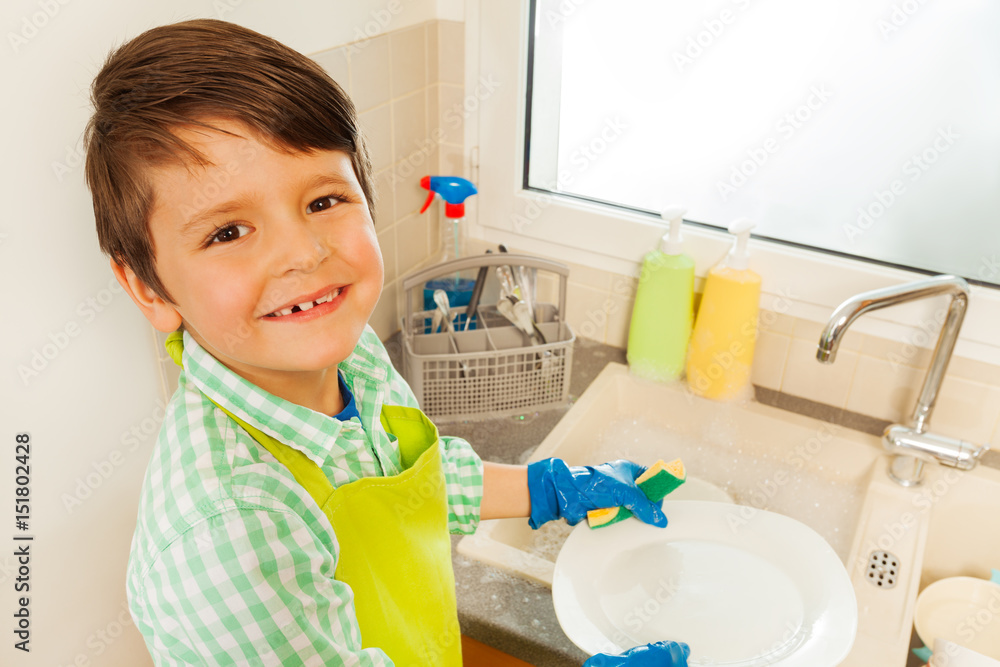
(307,305)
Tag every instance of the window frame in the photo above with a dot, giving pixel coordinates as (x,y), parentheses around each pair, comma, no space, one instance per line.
(798,281)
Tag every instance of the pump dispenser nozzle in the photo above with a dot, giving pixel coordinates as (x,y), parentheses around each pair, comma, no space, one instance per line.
(671,244)
(453,189)
(739,256)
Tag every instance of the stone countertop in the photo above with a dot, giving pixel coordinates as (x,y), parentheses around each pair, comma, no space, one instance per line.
(517,616)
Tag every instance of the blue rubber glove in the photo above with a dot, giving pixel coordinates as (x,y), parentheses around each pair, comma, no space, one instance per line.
(658,654)
(558,491)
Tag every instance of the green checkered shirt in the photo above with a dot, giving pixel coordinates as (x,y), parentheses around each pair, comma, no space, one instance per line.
(232,561)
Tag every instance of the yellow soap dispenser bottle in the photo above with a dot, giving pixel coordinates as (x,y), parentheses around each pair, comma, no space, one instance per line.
(725,330)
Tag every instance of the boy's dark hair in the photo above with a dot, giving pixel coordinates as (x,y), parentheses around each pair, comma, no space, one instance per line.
(185,74)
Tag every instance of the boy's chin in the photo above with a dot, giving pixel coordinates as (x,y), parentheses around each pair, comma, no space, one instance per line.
(327,354)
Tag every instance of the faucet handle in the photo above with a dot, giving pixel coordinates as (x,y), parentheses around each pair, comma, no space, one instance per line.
(906,442)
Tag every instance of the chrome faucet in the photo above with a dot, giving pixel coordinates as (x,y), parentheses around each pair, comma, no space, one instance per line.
(911,444)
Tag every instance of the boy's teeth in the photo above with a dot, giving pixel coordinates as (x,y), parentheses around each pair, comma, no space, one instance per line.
(308,304)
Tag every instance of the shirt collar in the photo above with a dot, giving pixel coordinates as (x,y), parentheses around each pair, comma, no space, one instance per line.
(312,432)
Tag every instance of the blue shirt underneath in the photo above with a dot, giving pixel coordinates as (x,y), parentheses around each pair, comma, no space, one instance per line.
(350,409)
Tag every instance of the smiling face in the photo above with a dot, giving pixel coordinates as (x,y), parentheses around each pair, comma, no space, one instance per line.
(271,258)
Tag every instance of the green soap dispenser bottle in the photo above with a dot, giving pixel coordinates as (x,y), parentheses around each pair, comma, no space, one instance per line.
(664,307)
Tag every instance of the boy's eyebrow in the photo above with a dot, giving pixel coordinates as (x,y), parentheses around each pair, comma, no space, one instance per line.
(222,209)
(329,179)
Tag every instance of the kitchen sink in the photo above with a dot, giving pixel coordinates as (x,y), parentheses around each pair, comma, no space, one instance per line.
(830,478)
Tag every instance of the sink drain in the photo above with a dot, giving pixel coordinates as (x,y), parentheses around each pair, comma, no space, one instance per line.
(883,569)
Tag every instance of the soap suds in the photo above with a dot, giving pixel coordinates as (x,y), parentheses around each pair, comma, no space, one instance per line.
(751,473)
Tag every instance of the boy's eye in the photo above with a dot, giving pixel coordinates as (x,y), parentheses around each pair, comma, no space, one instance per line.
(325,203)
(228,233)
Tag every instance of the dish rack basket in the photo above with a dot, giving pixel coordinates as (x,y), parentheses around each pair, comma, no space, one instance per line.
(492,370)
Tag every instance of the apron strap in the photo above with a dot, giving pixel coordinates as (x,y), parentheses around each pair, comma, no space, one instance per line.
(306,472)
(309,475)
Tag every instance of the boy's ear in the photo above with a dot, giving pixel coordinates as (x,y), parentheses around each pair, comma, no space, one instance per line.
(162,315)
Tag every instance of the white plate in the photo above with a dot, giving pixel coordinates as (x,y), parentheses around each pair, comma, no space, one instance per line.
(741,592)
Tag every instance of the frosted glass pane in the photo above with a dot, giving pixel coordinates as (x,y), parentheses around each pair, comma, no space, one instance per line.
(867,127)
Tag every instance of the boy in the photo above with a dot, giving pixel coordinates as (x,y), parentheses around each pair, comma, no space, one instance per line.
(297,504)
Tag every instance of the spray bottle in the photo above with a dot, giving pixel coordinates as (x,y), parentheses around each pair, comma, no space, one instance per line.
(454,190)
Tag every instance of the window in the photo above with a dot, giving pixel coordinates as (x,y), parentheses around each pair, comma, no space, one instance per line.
(562,224)
(863,128)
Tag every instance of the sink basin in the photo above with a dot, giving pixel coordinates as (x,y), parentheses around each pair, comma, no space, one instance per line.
(832,479)
(763,457)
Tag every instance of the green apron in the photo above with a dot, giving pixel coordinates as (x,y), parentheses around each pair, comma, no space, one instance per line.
(395,550)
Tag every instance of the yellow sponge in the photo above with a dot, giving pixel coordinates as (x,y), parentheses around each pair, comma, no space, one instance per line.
(659,480)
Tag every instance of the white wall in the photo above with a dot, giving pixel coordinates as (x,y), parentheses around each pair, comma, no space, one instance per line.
(92,404)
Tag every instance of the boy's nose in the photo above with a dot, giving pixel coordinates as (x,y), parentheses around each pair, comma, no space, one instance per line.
(301,247)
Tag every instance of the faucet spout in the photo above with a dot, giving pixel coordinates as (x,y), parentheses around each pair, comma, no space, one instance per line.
(911,444)
(860,304)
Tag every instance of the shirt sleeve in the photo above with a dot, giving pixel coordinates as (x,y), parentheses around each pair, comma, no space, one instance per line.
(250,587)
(463,469)
(463,475)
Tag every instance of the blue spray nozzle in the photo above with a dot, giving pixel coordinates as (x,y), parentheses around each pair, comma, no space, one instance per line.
(453,189)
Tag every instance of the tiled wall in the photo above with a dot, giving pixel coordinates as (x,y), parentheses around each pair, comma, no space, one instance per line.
(407,86)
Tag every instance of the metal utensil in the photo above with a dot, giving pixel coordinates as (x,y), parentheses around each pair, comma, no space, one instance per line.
(527,293)
(522,311)
(506,278)
(444,306)
(507,307)
(516,311)
(477,293)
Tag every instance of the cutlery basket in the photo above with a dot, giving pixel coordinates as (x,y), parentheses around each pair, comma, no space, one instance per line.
(494,369)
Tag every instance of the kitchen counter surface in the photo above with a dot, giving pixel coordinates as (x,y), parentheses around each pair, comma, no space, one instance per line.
(514,615)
